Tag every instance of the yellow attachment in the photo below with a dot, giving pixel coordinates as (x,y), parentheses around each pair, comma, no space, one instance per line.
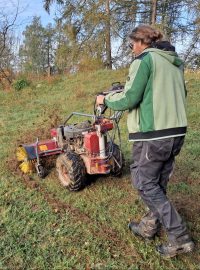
(27,165)
(21,153)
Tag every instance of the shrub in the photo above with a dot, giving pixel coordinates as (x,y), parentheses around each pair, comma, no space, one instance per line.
(20,84)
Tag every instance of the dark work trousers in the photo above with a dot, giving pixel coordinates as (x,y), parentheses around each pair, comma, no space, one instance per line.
(153,163)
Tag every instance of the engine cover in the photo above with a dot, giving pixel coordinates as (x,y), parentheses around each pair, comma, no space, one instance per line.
(91,143)
(75,130)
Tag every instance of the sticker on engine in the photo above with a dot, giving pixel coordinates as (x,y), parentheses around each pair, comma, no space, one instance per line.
(43,147)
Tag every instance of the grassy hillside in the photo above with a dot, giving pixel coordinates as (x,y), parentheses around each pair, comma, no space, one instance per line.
(44,226)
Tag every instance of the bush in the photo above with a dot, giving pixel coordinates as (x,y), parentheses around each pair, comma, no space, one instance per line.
(20,84)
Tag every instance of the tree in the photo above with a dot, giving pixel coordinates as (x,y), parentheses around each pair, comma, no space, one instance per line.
(7,24)
(192,44)
(153,12)
(108,34)
(92,27)
(36,52)
(96,25)
(66,53)
(49,35)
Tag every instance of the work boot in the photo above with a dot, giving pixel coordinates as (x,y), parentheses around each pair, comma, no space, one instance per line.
(147,228)
(171,249)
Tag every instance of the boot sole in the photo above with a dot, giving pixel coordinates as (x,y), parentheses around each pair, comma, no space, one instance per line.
(187,248)
(141,236)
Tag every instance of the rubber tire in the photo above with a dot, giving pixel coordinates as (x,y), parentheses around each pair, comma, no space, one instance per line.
(116,171)
(43,172)
(71,171)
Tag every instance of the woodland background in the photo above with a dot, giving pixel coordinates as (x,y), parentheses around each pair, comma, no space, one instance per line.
(92,35)
(57,69)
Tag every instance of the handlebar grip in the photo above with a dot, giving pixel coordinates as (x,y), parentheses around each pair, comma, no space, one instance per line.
(116,83)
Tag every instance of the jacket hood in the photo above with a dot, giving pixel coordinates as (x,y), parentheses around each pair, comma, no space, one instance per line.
(171,56)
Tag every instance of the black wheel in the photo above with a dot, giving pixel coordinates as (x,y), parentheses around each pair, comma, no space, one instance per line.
(117,159)
(71,171)
(41,171)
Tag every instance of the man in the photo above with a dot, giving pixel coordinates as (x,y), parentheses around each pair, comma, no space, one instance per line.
(155,95)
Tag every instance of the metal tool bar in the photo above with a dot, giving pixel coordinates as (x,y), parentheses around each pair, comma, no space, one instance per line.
(80,114)
(50,151)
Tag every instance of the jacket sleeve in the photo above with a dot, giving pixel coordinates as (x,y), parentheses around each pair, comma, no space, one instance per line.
(132,95)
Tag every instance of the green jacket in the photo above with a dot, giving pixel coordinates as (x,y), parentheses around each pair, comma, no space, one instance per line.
(155,96)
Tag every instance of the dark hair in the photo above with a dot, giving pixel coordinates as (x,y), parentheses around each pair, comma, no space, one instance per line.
(146,34)
(163,45)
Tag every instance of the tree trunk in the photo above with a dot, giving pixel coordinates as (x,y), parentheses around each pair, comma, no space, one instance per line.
(108,37)
(48,58)
(5,75)
(154,12)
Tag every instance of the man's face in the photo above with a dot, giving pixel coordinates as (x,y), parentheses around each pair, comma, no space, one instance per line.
(138,47)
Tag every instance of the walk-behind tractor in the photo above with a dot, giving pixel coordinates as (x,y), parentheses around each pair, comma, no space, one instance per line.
(83,148)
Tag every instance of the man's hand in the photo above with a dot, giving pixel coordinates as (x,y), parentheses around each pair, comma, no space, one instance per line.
(100,100)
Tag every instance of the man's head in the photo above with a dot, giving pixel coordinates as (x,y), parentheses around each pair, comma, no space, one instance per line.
(142,37)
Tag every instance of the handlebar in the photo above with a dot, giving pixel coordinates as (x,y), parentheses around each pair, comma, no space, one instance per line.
(117,87)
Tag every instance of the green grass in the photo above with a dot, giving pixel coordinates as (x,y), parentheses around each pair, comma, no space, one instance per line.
(44,226)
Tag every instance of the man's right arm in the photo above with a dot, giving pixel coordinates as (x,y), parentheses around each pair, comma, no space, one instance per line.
(132,95)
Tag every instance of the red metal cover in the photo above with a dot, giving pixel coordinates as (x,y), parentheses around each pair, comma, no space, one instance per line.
(48,147)
(53,132)
(105,126)
(44,148)
(96,165)
(91,143)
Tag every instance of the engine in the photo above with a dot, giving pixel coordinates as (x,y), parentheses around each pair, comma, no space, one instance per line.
(73,136)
